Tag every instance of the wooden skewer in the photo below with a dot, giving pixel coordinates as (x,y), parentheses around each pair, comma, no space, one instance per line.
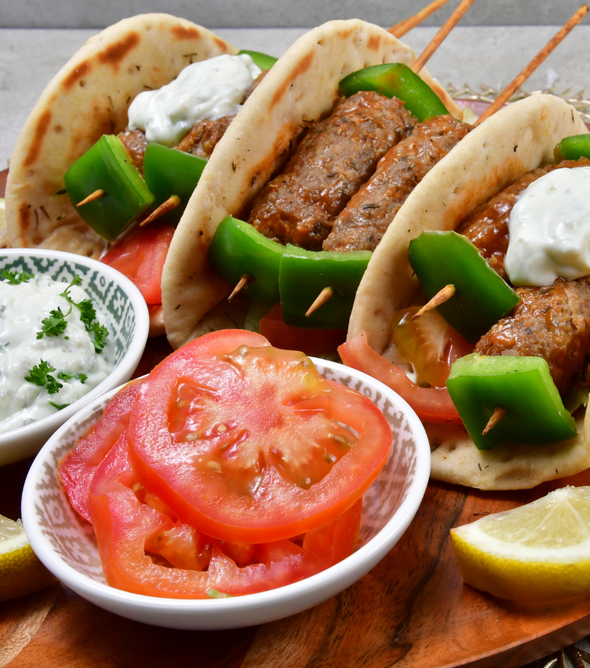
(401,28)
(241,284)
(497,415)
(441,35)
(439,298)
(532,66)
(171,203)
(97,194)
(320,300)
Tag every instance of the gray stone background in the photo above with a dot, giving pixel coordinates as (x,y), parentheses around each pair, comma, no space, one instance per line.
(490,46)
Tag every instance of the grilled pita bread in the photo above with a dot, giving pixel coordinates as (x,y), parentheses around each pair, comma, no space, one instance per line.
(515,140)
(301,87)
(87,98)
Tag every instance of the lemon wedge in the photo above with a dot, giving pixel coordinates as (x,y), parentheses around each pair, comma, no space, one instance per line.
(538,552)
(21,572)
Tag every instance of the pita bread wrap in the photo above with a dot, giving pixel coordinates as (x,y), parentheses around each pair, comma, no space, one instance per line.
(301,87)
(515,140)
(87,98)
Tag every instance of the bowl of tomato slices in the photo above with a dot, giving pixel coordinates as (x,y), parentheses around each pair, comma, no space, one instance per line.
(234,485)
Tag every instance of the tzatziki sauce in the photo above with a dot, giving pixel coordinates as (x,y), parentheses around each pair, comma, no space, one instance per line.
(76,365)
(205,90)
(549,229)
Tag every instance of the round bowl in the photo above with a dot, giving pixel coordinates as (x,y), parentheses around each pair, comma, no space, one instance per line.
(66,545)
(127,320)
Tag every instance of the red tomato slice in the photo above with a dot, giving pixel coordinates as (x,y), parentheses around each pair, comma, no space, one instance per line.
(140,255)
(132,535)
(77,468)
(431,404)
(316,342)
(125,527)
(249,443)
(283,562)
(429,343)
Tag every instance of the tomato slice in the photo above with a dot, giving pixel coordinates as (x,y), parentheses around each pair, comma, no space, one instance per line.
(429,343)
(250,443)
(431,404)
(78,467)
(283,562)
(126,529)
(316,342)
(140,255)
(135,533)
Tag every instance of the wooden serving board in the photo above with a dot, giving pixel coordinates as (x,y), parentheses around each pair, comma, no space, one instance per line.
(412,609)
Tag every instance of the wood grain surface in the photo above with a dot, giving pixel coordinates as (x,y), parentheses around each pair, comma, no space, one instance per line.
(410,610)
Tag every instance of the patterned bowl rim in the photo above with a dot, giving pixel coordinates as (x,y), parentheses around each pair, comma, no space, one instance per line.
(344,573)
(121,372)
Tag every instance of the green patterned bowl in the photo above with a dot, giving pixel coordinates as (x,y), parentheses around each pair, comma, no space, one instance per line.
(127,320)
(66,545)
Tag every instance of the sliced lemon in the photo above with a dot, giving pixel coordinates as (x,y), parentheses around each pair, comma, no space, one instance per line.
(21,572)
(538,552)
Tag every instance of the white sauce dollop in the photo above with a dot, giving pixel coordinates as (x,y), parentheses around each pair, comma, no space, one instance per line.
(202,91)
(22,309)
(549,229)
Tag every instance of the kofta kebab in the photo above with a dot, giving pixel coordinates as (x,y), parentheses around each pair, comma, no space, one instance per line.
(345,182)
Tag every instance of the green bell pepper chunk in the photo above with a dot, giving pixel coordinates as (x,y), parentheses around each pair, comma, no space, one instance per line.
(573,148)
(261,60)
(482,297)
(396,80)
(168,172)
(237,249)
(304,274)
(523,387)
(108,167)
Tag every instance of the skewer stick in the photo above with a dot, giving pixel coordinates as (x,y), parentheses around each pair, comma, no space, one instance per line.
(241,284)
(439,298)
(97,194)
(320,300)
(441,35)
(171,203)
(401,28)
(497,415)
(532,66)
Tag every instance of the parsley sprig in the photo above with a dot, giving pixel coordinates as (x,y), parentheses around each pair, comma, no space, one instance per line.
(56,323)
(41,375)
(14,279)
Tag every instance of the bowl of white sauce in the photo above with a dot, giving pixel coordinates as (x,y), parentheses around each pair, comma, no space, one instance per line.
(71,329)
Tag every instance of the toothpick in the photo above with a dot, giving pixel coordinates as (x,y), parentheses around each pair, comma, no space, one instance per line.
(97,194)
(533,65)
(497,415)
(439,298)
(171,203)
(241,284)
(401,28)
(321,299)
(455,17)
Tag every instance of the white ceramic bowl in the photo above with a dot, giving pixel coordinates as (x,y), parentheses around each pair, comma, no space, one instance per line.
(128,324)
(66,544)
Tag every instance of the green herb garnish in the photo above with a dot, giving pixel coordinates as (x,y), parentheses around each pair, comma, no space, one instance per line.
(14,279)
(55,324)
(88,316)
(82,377)
(40,375)
(58,406)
